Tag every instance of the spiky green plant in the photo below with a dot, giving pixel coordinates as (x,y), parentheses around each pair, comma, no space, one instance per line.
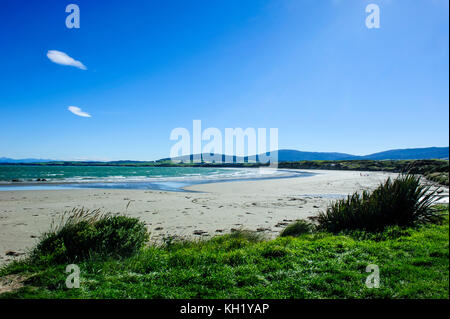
(80,234)
(402,201)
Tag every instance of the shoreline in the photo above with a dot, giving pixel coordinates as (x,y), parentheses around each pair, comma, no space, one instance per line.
(161,183)
(205,210)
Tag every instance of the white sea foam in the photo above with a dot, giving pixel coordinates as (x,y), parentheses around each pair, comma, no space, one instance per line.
(181,178)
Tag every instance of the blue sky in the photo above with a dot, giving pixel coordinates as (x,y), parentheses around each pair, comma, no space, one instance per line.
(309,68)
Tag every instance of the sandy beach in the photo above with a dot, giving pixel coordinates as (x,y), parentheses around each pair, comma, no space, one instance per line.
(266,206)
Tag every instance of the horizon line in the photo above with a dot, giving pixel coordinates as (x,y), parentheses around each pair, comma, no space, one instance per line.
(223,154)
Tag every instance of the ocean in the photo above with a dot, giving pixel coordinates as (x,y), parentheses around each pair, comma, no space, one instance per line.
(35,177)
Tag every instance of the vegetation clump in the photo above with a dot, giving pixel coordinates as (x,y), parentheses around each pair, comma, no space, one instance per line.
(82,234)
(298,228)
(438,177)
(403,201)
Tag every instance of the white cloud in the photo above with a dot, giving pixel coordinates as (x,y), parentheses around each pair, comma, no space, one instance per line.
(62,58)
(77,111)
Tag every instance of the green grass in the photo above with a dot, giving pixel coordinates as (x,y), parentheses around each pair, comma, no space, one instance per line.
(82,234)
(413,263)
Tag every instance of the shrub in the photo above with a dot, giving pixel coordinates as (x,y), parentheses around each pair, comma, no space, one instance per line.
(82,233)
(402,201)
(438,177)
(298,228)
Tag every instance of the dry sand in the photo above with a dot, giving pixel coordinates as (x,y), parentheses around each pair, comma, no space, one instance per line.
(262,205)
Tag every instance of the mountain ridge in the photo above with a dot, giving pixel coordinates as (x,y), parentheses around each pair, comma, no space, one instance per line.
(288,155)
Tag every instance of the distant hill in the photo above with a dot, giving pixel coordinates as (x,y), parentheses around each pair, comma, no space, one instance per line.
(206,157)
(410,153)
(291,156)
(399,154)
(294,155)
(23,160)
(283,156)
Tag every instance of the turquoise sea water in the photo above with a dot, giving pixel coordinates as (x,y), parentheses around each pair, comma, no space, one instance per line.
(14,177)
(31,173)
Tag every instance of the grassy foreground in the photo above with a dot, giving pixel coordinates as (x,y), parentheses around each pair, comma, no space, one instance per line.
(413,263)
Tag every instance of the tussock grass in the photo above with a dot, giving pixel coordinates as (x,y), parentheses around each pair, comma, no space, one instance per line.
(298,228)
(403,201)
(81,234)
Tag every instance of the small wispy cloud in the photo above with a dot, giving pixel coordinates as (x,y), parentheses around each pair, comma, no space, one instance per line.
(77,111)
(62,58)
